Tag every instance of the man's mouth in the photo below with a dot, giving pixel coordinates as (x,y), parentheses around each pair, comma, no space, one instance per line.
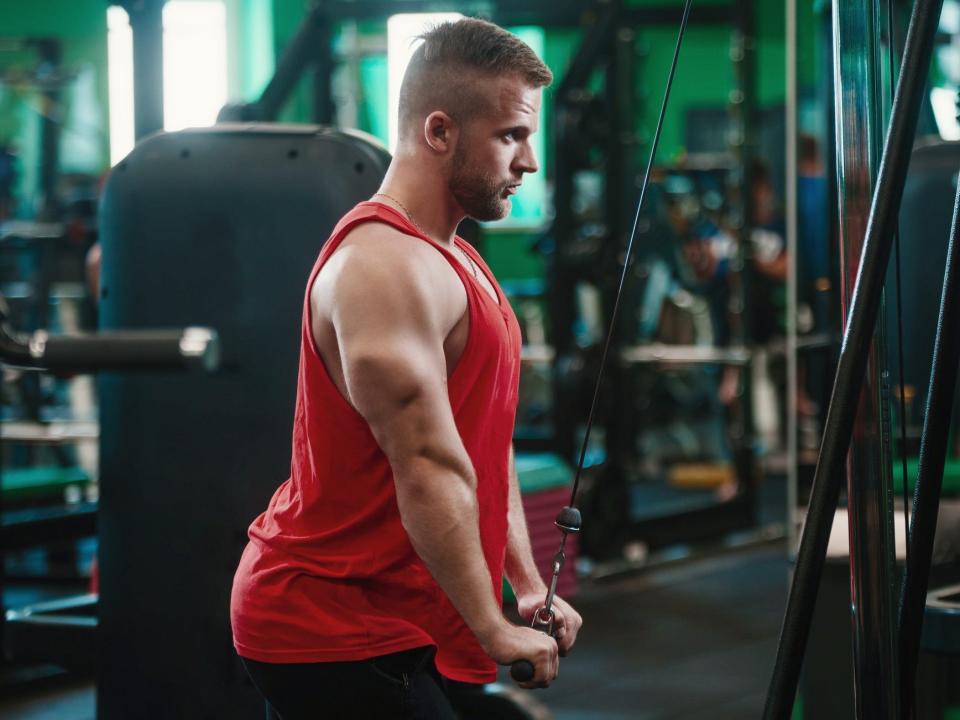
(512,189)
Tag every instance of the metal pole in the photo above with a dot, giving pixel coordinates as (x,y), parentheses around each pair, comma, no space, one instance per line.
(863,312)
(303,49)
(859,127)
(744,148)
(791,197)
(324,111)
(146,22)
(933,452)
(51,57)
(743,120)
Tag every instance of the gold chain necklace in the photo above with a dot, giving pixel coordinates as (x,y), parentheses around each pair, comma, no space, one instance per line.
(470,263)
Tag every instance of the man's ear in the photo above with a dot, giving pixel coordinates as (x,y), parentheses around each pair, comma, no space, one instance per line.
(440,132)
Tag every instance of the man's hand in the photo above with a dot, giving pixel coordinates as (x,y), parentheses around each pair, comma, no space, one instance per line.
(508,643)
(567,621)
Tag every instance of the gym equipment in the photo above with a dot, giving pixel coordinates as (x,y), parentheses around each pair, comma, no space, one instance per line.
(63,631)
(858,335)
(597,165)
(933,451)
(859,130)
(219,226)
(545,480)
(924,221)
(568,520)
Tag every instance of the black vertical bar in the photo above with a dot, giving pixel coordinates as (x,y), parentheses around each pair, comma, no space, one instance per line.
(51,122)
(853,357)
(562,272)
(560,282)
(828,98)
(308,44)
(933,452)
(146,22)
(617,96)
(744,115)
(323,107)
(3,556)
(743,125)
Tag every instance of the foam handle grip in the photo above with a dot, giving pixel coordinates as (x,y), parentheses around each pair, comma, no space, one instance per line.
(522,671)
(128,350)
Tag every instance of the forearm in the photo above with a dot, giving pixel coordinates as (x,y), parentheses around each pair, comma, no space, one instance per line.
(520,568)
(438,509)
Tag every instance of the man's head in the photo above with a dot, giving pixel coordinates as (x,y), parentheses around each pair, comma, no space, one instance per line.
(470,98)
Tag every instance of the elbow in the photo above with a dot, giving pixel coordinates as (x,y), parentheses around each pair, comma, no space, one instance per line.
(422,466)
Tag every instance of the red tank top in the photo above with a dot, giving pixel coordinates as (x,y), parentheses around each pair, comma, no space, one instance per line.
(329,573)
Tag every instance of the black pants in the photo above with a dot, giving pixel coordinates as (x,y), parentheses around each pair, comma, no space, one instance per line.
(404,686)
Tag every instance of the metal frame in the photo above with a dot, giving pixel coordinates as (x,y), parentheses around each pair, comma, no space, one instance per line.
(791,212)
(134,350)
(859,130)
(602,48)
(935,440)
(858,336)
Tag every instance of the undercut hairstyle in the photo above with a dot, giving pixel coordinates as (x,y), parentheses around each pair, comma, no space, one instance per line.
(452,56)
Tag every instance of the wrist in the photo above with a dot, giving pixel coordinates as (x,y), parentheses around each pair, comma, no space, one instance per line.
(488,631)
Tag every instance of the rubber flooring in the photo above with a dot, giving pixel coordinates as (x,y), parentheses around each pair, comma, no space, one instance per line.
(697,641)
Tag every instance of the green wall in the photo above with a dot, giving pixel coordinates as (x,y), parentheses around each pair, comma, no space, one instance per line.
(250,47)
(705,73)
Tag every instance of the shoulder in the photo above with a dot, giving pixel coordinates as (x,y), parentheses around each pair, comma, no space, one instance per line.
(375,244)
(390,272)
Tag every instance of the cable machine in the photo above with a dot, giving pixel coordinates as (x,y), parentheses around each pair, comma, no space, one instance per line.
(595,177)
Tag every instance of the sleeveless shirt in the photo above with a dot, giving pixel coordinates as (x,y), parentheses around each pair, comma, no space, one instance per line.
(329,573)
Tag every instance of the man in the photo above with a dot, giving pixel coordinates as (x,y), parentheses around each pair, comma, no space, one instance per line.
(376,570)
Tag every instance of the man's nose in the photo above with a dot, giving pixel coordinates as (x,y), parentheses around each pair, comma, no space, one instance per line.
(527,160)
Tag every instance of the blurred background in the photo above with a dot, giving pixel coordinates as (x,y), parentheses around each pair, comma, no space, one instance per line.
(723,354)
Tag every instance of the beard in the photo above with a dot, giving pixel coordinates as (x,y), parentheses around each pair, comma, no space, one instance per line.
(479,194)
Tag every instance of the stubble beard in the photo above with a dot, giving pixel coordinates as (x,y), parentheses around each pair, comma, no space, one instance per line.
(479,194)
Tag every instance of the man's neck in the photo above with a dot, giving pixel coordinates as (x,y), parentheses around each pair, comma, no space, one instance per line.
(423,197)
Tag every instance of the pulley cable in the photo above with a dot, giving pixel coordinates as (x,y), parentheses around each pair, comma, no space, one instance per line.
(568,521)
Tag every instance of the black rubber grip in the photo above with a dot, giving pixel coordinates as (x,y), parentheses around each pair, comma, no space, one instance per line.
(522,671)
(128,350)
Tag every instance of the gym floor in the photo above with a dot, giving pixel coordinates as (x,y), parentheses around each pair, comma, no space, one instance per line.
(668,643)
(678,642)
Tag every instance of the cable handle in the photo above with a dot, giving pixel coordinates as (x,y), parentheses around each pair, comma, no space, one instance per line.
(544,619)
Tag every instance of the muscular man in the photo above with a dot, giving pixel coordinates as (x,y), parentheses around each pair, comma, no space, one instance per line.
(375,572)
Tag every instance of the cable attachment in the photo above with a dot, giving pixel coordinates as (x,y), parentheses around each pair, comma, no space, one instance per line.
(568,521)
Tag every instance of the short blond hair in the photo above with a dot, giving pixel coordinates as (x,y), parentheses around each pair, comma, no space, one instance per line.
(453,54)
